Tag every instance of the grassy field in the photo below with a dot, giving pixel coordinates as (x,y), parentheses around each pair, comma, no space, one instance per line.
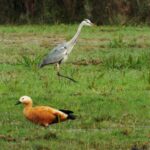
(111,98)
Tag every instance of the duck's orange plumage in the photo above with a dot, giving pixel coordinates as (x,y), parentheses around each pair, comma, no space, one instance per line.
(44,115)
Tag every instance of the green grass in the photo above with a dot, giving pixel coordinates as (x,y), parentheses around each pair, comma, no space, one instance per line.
(111,98)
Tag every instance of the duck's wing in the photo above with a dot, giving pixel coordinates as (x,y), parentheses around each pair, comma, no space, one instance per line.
(48,114)
(41,115)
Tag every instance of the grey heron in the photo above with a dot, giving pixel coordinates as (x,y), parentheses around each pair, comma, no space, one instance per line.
(59,54)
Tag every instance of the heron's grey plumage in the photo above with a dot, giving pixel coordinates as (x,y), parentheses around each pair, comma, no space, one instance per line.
(60,53)
(56,55)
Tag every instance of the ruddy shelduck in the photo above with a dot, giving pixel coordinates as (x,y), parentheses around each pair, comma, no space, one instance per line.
(44,115)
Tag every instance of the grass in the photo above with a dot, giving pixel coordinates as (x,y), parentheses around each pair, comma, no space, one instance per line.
(111,98)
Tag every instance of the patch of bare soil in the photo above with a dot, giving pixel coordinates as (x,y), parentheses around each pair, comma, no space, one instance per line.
(31,38)
(144,146)
(7,138)
(47,136)
(109,30)
(84,62)
(94,39)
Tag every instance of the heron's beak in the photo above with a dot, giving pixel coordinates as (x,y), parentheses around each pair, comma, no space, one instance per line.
(18,102)
(92,24)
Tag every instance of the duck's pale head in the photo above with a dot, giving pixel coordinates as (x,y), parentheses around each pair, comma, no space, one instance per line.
(24,100)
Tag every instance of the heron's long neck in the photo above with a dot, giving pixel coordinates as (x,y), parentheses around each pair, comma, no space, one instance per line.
(74,39)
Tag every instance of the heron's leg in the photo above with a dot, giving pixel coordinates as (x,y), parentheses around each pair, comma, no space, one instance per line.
(58,68)
(60,75)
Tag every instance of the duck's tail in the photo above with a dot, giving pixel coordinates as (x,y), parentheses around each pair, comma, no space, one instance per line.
(70,114)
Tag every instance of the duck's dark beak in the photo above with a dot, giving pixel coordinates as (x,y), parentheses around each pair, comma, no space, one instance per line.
(18,102)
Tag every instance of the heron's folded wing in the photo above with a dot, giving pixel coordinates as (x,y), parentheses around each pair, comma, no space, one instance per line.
(56,54)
